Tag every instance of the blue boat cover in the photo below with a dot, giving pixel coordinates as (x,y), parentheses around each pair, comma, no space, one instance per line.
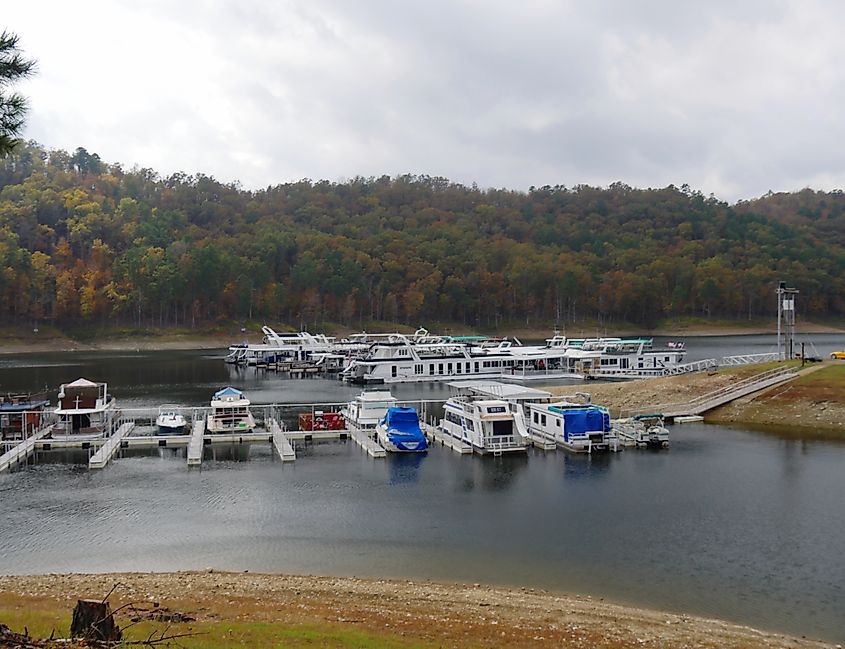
(589,419)
(403,425)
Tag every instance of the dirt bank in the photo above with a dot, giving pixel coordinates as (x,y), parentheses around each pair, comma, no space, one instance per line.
(381,613)
(810,405)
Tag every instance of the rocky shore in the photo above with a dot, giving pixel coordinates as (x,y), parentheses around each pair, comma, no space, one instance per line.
(380,612)
(812,405)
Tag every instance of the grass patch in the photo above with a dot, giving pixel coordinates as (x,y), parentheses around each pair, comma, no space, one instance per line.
(43,618)
(830,376)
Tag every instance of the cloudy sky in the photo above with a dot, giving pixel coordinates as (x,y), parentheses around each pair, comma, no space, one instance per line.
(733,97)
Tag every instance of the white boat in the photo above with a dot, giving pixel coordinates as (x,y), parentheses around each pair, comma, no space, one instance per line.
(170,420)
(86,411)
(366,410)
(423,357)
(574,424)
(647,430)
(299,346)
(488,425)
(229,413)
(399,431)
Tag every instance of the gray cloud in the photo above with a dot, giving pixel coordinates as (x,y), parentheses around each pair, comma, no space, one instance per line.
(734,98)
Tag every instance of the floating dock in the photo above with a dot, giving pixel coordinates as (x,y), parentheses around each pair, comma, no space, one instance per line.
(195,446)
(436,435)
(541,441)
(373,448)
(101,458)
(281,443)
(21,451)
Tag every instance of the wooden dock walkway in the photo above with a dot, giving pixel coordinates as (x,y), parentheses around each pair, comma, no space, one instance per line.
(281,443)
(373,448)
(197,442)
(22,450)
(436,435)
(101,458)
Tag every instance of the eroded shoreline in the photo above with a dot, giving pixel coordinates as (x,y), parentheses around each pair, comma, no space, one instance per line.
(434,614)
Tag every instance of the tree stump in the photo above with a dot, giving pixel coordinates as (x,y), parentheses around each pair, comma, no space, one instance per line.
(93,620)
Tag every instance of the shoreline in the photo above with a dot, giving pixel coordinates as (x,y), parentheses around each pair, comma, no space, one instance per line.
(393,612)
(165,342)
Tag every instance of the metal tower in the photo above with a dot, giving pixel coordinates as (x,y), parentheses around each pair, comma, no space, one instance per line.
(786,321)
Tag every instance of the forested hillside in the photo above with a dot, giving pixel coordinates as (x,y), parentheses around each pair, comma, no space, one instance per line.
(85,241)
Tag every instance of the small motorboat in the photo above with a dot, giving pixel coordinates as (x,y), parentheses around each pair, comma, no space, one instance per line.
(170,420)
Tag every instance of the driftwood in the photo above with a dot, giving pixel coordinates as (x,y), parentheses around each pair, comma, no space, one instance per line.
(93,620)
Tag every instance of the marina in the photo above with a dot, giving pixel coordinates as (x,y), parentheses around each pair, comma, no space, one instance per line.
(336,509)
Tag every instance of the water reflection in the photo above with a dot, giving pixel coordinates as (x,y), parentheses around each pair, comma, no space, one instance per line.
(405,467)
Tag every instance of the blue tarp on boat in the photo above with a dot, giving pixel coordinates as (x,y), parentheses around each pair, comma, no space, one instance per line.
(589,419)
(403,429)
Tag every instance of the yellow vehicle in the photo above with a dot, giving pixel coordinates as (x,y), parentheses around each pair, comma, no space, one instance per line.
(838,356)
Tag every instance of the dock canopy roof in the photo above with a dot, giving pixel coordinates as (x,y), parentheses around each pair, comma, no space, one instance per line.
(81,383)
(228,392)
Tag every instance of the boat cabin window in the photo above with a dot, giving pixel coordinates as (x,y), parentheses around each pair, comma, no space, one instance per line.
(543,419)
(536,417)
(449,367)
(431,369)
(503,427)
(440,368)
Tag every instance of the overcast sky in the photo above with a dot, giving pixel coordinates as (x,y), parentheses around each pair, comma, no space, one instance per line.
(733,97)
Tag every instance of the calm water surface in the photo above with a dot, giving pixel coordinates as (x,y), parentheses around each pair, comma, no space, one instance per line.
(727,523)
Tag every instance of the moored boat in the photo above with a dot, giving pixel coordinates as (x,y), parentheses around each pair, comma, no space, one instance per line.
(399,431)
(490,426)
(576,426)
(365,411)
(646,430)
(21,414)
(86,411)
(229,412)
(170,420)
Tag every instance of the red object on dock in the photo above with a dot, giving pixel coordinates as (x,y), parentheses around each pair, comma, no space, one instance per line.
(321,421)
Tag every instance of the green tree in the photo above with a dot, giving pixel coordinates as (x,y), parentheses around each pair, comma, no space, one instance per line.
(13,66)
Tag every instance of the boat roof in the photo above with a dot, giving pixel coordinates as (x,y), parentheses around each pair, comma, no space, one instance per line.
(228,392)
(82,383)
(24,406)
(376,395)
(499,390)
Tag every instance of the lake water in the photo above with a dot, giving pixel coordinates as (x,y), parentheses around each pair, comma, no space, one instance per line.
(727,523)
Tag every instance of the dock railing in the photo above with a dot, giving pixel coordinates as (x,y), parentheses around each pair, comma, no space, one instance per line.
(715,398)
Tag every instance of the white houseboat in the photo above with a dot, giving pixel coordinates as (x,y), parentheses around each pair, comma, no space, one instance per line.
(572,423)
(298,346)
(86,411)
(489,425)
(422,357)
(366,410)
(229,413)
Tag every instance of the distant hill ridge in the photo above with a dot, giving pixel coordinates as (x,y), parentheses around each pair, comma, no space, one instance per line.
(82,240)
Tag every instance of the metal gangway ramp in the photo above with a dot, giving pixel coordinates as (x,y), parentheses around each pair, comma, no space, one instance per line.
(720,397)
